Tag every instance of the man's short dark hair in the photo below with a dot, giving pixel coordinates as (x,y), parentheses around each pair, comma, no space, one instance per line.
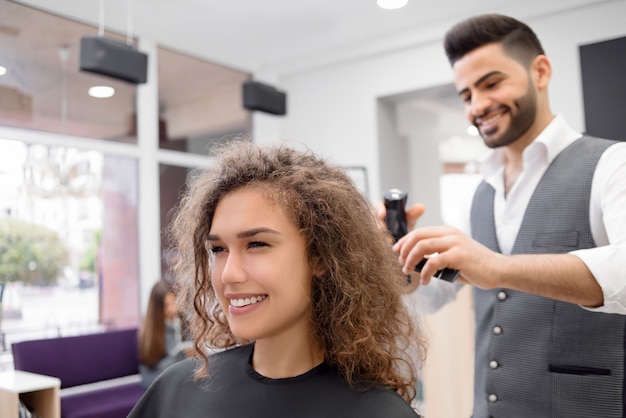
(517,39)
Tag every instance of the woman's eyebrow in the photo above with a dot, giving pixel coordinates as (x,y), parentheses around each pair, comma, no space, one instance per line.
(245,234)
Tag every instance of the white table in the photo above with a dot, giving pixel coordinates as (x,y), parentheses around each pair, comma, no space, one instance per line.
(38,392)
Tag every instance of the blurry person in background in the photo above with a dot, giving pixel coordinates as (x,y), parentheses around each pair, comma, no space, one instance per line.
(160,335)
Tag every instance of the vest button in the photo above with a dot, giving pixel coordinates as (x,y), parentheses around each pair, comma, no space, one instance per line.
(497,330)
(492,398)
(502,295)
(493,364)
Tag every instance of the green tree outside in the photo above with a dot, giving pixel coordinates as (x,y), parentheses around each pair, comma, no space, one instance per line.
(30,253)
(90,258)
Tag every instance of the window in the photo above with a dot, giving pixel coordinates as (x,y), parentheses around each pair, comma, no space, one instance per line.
(73,170)
(43,88)
(49,272)
(200,103)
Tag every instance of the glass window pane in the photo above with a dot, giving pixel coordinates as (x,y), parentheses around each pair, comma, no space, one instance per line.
(199,102)
(119,261)
(172,184)
(43,88)
(68,241)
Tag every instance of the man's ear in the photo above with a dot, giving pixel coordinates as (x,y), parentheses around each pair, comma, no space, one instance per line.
(541,71)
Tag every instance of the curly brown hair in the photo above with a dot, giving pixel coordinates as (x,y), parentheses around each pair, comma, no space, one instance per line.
(358,313)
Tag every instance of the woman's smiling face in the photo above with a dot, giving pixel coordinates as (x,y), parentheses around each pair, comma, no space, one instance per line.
(260,271)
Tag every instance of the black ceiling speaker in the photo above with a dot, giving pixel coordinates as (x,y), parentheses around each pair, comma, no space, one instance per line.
(114,59)
(259,96)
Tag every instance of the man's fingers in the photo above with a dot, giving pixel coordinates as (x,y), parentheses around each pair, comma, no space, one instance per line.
(413,214)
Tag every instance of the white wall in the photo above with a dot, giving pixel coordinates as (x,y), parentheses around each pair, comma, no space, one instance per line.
(334,109)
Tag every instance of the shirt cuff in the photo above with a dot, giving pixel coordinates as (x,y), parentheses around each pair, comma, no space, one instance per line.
(608,266)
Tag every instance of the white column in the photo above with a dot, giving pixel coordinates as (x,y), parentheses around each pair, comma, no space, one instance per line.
(149,199)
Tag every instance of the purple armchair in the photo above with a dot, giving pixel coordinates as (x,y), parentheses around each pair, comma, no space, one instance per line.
(95,371)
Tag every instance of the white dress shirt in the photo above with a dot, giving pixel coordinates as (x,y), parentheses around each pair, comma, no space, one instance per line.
(607,262)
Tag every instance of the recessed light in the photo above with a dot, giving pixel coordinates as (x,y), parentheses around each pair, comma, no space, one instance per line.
(101,92)
(391,4)
(3,70)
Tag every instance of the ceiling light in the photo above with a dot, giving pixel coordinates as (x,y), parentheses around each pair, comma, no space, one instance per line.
(101,92)
(472,130)
(3,70)
(391,4)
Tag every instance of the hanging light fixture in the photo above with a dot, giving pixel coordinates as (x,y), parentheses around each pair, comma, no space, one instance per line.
(391,4)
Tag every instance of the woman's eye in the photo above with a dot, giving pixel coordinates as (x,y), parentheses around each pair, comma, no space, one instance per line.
(216,249)
(257,244)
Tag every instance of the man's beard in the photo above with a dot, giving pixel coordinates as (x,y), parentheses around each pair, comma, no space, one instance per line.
(519,123)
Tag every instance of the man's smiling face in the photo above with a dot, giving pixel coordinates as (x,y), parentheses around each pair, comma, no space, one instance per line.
(498,94)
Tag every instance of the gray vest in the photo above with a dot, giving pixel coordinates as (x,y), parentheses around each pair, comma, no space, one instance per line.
(537,357)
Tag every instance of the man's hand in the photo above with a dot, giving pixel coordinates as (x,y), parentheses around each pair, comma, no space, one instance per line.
(562,277)
(412,214)
(447,247)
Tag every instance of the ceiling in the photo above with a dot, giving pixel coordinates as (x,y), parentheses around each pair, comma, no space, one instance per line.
(256,35)
(43,88)
(268,38)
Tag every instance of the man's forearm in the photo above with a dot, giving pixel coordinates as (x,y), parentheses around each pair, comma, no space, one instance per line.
(562,277)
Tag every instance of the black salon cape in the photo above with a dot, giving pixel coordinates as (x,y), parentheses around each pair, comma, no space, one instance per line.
(235,390)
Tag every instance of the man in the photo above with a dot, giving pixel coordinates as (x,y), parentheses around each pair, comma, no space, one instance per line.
(546,243)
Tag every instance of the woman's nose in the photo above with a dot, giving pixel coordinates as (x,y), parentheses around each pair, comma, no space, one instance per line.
(233,271)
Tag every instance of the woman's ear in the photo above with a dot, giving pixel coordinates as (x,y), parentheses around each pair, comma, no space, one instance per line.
(318,272)
(541,71)
(318,269)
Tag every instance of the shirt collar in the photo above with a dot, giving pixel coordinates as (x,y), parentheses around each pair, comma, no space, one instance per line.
(552,140)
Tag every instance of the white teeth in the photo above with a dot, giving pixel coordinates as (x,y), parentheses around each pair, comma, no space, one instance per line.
(491,119)
(247,301)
